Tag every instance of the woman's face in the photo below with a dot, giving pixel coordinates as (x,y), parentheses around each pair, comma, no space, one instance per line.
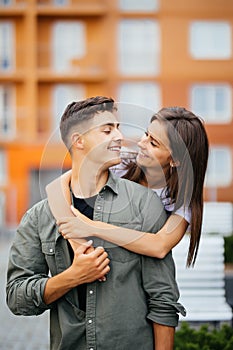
(154,148)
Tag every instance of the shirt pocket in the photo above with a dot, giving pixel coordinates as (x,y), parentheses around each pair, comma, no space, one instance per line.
(118,253)
(48,249)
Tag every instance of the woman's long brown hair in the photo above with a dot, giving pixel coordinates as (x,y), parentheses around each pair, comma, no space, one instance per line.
(189,147)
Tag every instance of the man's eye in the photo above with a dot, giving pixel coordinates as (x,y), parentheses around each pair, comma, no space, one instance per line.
(146,133)
(107,131)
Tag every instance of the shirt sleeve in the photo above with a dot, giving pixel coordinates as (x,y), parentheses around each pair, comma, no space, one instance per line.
(162,291)
(27,270)
(184,213)
(159,274)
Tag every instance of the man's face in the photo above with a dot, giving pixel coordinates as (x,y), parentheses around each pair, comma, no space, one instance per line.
(102,142)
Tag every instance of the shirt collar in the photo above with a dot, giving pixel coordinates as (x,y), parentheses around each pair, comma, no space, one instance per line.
(112,183)
(58,193)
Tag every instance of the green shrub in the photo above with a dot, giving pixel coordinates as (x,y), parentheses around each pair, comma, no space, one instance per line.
(187,338)
(228,251)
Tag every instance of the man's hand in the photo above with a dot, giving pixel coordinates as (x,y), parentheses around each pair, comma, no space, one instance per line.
(89,266)
(85,268)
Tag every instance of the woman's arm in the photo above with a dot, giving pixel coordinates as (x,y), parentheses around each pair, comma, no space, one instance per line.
(155,245)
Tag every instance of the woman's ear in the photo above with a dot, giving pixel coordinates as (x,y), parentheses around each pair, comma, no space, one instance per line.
(174,164)
(77,140)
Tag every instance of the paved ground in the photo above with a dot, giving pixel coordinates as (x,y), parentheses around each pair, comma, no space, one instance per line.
(19,332)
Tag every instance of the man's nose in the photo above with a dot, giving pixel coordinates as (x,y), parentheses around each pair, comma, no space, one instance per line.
(118,135)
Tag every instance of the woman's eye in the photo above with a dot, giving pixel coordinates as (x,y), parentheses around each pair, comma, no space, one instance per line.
(107,131)
(146,133)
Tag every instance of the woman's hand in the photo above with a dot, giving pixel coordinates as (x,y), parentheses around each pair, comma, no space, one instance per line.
(75,227)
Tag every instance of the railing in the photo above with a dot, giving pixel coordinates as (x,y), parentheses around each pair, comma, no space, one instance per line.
(202,288)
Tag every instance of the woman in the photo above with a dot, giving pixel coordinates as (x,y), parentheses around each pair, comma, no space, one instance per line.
(172,160)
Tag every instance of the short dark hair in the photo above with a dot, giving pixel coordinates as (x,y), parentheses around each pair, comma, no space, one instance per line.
(79,111)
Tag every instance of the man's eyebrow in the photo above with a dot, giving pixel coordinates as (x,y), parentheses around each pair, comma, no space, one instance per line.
(110,124)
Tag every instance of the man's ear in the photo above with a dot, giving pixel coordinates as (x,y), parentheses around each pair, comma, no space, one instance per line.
(77,140)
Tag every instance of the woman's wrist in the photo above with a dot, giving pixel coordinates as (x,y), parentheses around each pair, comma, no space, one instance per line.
(96,229)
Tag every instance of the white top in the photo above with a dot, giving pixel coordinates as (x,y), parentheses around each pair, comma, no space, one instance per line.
(183,211)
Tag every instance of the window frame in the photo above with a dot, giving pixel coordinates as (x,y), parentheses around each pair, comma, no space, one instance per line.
(64,3)
(127,65)
(61,58)
(139,6)
(214,179)
(8,40)
(210,99)
(8,111)
(58,107)
(208,44)
(140,112)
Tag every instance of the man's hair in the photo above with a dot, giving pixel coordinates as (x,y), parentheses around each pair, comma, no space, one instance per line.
(80,111)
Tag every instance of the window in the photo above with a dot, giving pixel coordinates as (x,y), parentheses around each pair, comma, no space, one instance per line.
(6,45)
(210,40)
(139,47)
(217,218)
(2,167)
(136,104)
(219,170)
(139,5)
(7,119)
(5,2)
(68,43)
(212,102)
(60,2)
(63,94)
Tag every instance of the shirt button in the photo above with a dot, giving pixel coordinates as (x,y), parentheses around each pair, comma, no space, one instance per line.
(51,250)
(91,292)
(98,207)
(90,321)
(91,348)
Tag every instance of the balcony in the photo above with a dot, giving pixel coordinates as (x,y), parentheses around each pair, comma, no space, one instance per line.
(71,8)
(13,8)
(90,68)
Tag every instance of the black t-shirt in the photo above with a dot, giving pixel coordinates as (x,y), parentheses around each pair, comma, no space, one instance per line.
(86,207)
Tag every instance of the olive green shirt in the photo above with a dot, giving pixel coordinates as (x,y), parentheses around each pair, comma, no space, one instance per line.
(119,312)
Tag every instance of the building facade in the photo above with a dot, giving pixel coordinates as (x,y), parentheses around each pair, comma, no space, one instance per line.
(149,53)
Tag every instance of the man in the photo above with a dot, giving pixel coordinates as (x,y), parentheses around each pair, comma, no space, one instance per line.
(139,293)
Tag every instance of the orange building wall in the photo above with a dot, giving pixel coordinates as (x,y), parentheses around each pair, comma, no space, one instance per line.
(34,79)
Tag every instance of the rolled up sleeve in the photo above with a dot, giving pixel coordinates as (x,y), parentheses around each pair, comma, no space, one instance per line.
(27,271)
(159,274)
(162,291)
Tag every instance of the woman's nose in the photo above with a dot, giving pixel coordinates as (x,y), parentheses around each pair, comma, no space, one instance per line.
(142,142)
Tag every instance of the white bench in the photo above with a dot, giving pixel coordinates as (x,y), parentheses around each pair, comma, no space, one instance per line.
(202,288)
